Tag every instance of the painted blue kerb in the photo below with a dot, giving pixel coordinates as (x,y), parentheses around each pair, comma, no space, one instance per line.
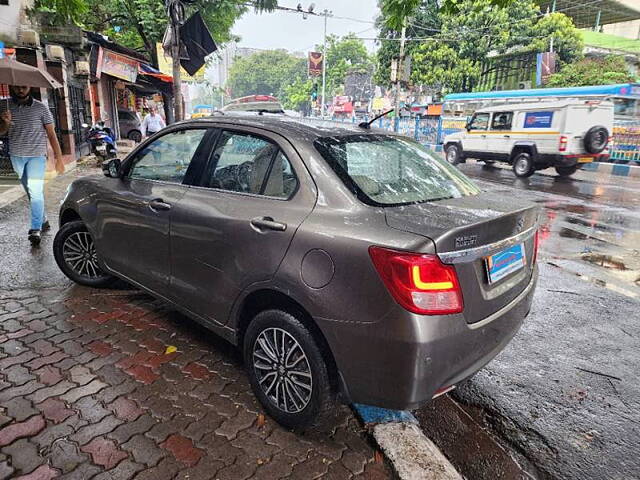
(370,414)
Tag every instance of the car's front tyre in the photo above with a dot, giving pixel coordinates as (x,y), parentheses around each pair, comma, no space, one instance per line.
(75,254)
(287,370)
(523,165)
(453,154)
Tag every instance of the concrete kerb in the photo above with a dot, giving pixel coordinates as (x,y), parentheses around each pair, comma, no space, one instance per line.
(411,453)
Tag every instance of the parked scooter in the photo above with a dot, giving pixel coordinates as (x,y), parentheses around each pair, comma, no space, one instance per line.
(101,138)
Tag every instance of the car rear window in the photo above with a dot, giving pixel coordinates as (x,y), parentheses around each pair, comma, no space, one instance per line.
(386,170)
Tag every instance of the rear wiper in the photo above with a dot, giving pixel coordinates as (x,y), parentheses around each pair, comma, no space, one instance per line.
(367,125)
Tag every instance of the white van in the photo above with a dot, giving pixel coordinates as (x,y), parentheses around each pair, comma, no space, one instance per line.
(563,134)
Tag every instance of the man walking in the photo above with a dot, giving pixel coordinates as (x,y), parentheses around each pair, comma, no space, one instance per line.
(29,123)
(152,123)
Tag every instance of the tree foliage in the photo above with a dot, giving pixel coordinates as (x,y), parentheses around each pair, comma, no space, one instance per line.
(455,54)
(593,71)
(265,73)
(425,22)
(296,94)
(396,12)
(344,55)
(140,24)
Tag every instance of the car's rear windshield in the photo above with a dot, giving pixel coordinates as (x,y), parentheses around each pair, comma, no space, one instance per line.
(387,170)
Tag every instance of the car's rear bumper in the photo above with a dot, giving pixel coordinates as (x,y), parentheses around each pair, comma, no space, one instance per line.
(403,360)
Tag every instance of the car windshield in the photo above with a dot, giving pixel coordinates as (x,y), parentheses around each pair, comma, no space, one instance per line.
(386,170)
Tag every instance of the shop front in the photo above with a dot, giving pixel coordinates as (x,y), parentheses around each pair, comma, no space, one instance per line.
(123,87)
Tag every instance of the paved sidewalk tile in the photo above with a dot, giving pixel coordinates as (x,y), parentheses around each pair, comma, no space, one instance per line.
(88,390)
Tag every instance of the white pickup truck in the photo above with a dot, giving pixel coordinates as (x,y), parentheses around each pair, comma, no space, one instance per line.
(563,134)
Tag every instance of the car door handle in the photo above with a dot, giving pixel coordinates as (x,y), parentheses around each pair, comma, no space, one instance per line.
(483,136)
(268,223)
(158,204)
(507,136)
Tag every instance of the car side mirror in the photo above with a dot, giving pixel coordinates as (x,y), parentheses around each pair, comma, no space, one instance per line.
(111,168)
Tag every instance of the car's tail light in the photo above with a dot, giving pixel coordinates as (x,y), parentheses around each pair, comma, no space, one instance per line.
(536,246)
(563,143)
(420,283)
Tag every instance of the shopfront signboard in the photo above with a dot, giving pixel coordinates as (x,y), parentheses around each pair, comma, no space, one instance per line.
(119,66)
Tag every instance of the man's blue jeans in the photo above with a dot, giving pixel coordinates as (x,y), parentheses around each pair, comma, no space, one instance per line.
(31,170)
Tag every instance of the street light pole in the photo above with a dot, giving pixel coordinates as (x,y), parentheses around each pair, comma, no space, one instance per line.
(324,62)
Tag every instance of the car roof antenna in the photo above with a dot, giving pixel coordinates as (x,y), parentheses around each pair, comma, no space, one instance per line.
(367,125)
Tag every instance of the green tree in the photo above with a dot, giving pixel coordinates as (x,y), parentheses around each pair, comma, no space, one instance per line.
(396,12)
(344,55)
(462,47)
(265,73)
(140,24)
(297,94)
(593,71)
(425,22)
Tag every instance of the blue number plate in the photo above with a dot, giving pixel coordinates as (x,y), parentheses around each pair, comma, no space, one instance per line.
(505,262)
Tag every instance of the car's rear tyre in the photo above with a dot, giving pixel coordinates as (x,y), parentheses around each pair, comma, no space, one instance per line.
(75,254)
(566,171)
(287,371)
(596,139)
(135,135)
(452,154)
(523,165)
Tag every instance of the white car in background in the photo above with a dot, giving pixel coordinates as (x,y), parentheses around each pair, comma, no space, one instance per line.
(562,134)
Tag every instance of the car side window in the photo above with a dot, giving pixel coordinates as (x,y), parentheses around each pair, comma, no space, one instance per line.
(480,121)
(502,121)
(167,158)
(282,182)
(247,163)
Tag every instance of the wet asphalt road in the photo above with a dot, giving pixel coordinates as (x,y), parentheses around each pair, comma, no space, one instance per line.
(563,399)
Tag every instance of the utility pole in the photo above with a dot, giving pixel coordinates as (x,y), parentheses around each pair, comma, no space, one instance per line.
(177,81)
(325,14)
(400,70)
(175,11)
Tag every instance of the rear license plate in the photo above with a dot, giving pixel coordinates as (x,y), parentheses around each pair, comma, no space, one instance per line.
(503,263)
(585,159)
(101,148)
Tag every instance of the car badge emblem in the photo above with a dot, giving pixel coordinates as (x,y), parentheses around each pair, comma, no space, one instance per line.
(466,241)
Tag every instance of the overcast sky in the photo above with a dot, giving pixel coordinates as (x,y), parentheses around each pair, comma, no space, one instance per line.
(290,31)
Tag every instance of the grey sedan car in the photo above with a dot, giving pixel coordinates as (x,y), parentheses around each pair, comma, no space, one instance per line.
(345,263)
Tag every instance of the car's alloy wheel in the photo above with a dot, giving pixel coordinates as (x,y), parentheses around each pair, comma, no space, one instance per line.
(75,254)
(79,253)
(287,371)
(283,370)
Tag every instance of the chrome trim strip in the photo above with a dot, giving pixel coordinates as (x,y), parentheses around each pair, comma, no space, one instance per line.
(471,254)
(509,306)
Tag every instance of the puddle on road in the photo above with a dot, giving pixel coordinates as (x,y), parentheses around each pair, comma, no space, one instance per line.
(602,283)
(606,261)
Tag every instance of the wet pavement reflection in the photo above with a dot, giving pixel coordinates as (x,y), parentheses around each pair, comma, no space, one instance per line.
(590,224)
